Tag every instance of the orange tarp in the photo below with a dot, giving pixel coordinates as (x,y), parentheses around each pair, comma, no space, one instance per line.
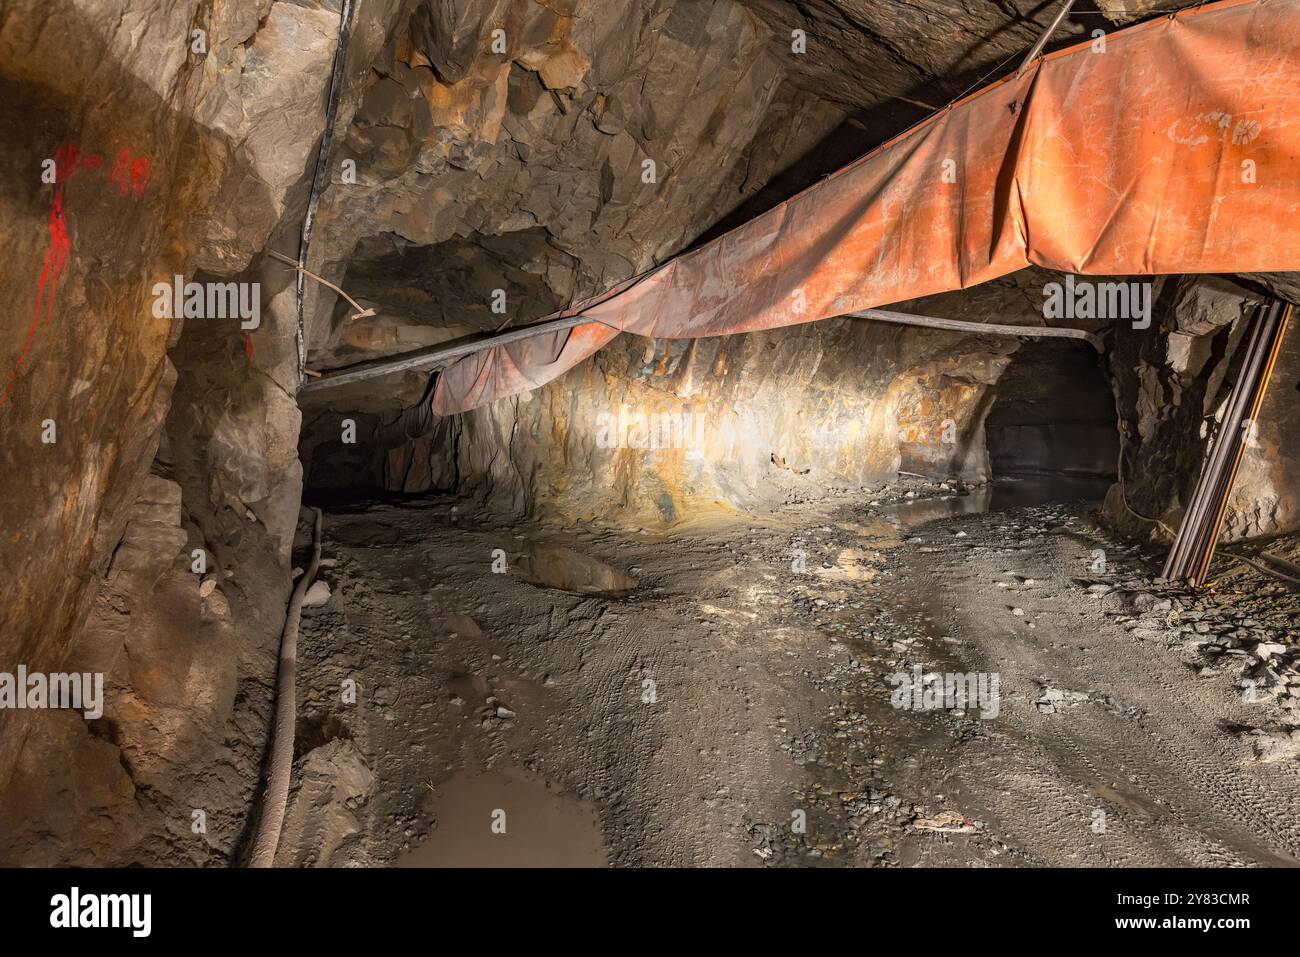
(1175,149)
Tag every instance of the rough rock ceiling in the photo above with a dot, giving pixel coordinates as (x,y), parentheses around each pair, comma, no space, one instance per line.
(456,144)
(453,143)
(865,53)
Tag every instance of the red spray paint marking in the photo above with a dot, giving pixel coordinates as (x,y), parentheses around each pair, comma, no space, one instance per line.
(56,260)
(248,344)
(131,174)
(67,161)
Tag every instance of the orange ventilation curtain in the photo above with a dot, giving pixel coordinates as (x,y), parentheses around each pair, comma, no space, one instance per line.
(1173,149)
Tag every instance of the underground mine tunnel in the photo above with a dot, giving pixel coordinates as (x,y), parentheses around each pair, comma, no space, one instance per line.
(739,433)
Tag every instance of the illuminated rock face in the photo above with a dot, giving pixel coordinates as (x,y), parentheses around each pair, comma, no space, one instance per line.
(654,430)
(651,431)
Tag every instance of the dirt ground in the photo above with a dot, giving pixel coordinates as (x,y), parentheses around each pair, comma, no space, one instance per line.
(725,694)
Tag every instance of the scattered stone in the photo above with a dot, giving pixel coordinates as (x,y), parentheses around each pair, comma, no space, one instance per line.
(318,594)
(1269,746)
(1053,700)
(949,822)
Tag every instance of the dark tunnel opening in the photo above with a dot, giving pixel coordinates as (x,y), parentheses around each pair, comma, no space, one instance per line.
(1052,431)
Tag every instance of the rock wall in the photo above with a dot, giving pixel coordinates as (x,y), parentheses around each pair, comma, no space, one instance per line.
(653,431)
(1266,498)
(147,140)
(582,142)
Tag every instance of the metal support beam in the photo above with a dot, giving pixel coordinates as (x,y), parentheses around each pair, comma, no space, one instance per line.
(982,328)
(429,360)
(436,358)
(1037,48)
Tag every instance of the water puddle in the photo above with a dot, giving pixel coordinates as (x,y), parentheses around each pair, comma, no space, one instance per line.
(554,566)
(508,818)
(1001,495)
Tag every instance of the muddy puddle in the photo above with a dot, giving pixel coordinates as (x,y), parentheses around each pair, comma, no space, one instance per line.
(508,818)
(1000,495)
(555,566)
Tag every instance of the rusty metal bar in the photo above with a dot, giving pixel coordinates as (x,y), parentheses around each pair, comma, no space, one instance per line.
(1189,530)
(1198,535)
(1214,506)
(1278,318)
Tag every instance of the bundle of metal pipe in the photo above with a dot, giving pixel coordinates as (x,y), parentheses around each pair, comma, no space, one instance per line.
(1199,533)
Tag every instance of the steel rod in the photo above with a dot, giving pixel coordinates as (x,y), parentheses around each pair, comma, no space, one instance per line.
(1189,529)
(1037,48)
(1277,323)
(1194,545)
(432,359)
(981,328)
(1207,528)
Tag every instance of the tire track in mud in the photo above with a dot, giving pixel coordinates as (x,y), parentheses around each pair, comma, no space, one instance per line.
(1174,786)
(705,775)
